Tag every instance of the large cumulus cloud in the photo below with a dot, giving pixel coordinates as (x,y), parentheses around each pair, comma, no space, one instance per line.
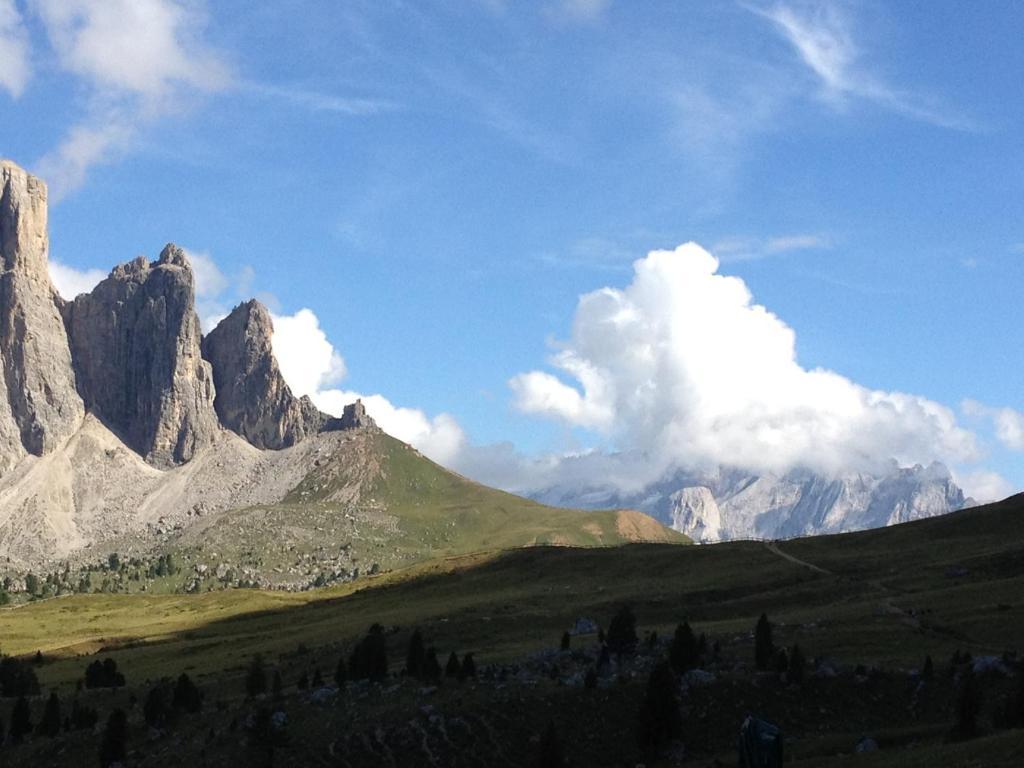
(684,366)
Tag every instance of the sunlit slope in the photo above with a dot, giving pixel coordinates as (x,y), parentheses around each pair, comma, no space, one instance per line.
(376,504)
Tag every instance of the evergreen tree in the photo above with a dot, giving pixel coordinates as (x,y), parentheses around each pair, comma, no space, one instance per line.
(276,687)
(318,679)
(928,670)
(303,683)
(17,678)
(566,641)
(154,710)
(38,659)
(683,651)
(32,584)
(660,718)
(551,753)
(416,655)
(340,673)
(797,666)
(50,725)
(468,667)
(968,705)
(369,660)
(590,679)
(622,632)
(21,720)
(82,717)
(112,747)
(187,696)
(764,647)
(781,662)
(431,667)
(256,677)
(452,668)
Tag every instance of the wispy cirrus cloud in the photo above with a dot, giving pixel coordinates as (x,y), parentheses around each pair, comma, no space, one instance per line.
(822,34)
(740,248)
(1007,422)
(138,60)
(15,69)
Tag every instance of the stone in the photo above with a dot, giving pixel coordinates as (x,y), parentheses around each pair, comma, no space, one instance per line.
(253,398)
(39,402)
(354,416)
(135,343)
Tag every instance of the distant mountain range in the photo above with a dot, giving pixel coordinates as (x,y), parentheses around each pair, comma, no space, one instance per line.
(735,504)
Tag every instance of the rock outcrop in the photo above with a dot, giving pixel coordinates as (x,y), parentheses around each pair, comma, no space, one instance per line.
(39,403)
(354,416)
(135,343)
(253,398)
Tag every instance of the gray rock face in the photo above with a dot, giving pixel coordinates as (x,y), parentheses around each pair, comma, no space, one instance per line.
(135,343)
(354,416)
(39,402)
(730,503)
(252,396)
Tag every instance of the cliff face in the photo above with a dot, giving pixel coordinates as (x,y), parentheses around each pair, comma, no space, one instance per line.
(39,403)
(253,398)
(135,342)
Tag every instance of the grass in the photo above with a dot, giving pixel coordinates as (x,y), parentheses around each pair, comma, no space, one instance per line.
(886,598)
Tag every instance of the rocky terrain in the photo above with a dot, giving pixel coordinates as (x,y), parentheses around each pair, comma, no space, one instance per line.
(734,504)
(124,431)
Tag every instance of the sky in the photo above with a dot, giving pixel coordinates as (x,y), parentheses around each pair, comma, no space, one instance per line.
(762,234)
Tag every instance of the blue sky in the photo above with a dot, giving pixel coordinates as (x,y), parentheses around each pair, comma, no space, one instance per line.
(439,183)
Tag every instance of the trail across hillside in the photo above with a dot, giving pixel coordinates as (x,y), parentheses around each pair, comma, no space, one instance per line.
(772,547)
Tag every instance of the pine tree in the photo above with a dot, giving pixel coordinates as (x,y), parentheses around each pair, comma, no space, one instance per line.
(797,666)
(928,670)
(683,651)
(318,679)
(551,753)
(590,679)
(452,668)
(566,641)
(340,673)
(764,647)
(415,657)
(187,696)
(968,705)
(112,747)
(431,667)
(468,667)
(50,725)
(303,683)
(622,632)
(21,720)
(277,687)
(256,677)
(660,719)
(369,660)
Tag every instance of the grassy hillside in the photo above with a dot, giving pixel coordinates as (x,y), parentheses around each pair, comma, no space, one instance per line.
(881,599)
(378,504)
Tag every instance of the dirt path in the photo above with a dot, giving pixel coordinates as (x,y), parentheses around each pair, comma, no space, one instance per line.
(772,547)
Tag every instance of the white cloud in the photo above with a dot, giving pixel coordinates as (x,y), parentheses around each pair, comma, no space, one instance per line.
(684,367)
(312,366)
(138,60)
(15,68)
(1008,423)
(822,34)
(309,362)
(70,282)
(579,10)
(984,486)
(748,248)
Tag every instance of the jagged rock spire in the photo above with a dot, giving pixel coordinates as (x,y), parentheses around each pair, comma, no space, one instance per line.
(135,342)
(39,403)
(253,398)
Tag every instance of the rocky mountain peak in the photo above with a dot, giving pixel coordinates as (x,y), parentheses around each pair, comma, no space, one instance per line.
(253,398)
(39,403)
(135,342)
